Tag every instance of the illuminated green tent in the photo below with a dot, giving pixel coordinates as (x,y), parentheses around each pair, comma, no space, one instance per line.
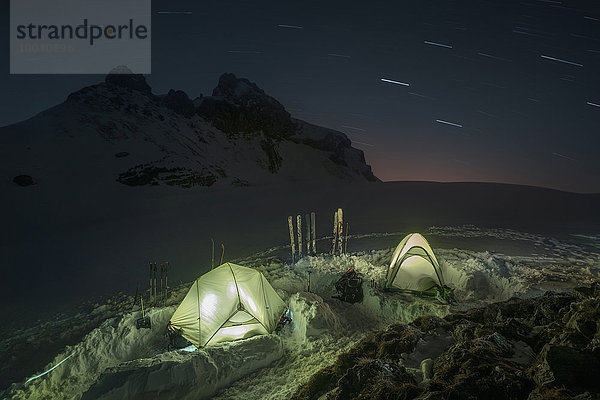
(414,266)
(228,303)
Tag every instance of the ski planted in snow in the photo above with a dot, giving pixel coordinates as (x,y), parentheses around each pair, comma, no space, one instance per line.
(312,232)
(346,240)
(335,232)
(292,244)
(340,230)
(299,227)
(307,223)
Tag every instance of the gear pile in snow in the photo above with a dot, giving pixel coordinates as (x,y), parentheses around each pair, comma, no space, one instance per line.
(349,287)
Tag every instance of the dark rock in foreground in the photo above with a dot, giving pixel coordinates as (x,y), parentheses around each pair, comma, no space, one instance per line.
(542,348)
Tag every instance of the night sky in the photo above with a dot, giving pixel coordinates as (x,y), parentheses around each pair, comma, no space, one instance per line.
(504,91)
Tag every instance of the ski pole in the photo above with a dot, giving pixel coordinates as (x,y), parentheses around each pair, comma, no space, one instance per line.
(166,281)
(313,229)
(162,268)
(137,289)
(164,291)
(150,290)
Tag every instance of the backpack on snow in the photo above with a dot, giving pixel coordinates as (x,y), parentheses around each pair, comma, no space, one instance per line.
(349,287)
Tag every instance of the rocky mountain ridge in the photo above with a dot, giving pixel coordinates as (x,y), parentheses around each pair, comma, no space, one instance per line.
(238,136)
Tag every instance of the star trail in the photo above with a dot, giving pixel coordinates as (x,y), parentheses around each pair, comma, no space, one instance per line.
(517,78)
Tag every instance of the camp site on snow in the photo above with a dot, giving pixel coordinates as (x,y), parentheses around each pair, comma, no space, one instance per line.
(286,314)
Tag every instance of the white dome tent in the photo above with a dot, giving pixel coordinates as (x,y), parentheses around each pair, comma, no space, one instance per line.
(414,266)
(228,303)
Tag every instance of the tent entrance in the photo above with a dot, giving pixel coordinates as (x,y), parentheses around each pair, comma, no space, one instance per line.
(415,273)
(235,332)
(414,267)
(241,318)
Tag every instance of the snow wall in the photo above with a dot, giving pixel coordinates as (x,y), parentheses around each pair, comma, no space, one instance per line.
(187,375)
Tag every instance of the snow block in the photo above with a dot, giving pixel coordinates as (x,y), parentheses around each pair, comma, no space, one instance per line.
(182,375)
(312,316)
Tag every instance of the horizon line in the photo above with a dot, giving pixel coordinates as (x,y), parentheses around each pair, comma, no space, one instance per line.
(488,183)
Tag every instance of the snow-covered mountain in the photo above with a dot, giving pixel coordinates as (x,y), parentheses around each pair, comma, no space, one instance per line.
(119,131)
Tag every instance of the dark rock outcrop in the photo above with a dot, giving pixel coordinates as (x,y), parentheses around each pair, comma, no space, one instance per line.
(536,349)
(370,369)
(335,143)
(24,180)
(173,139)
(178,101)
(376,379)
(147,174)
(562,365)
(240,106)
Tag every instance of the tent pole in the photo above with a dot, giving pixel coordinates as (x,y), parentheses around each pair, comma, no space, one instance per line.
(150,290)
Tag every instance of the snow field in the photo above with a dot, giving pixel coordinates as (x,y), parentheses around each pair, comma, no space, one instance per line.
(116,360)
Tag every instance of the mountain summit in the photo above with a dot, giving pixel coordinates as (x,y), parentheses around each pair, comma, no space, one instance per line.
(119,131)
(124,77)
